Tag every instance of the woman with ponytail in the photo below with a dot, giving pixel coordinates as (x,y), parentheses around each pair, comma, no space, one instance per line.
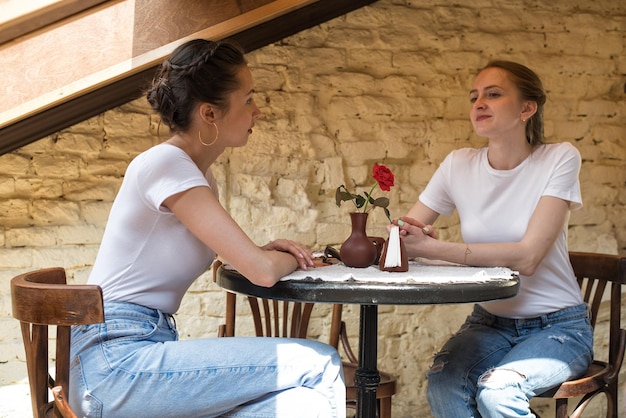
(513,197)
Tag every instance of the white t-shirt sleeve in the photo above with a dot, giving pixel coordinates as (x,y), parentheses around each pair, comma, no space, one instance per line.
(436,195)
(162,176)
(564,178)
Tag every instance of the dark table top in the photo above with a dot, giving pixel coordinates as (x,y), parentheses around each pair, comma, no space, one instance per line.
(316,289)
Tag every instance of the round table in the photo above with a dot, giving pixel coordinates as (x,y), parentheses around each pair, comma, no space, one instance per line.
(370,294)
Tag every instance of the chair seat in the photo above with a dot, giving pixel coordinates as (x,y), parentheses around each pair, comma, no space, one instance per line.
(592,380)
(386,388)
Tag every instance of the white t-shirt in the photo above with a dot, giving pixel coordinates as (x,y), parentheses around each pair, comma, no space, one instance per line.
(147,256)
(496,206)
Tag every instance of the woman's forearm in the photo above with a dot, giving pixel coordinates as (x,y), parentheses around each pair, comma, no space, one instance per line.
(514,255)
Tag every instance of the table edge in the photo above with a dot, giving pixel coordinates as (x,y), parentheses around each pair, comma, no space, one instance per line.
(371,293)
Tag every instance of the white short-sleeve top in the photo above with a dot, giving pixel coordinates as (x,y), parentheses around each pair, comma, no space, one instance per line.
(496,206)
(147,256)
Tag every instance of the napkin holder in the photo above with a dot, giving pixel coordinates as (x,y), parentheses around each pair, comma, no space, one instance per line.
(393,257)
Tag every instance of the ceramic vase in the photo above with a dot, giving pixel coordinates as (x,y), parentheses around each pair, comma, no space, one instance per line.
(358,250)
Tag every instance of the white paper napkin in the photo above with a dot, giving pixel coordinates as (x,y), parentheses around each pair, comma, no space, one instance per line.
(420,271)
(393,257)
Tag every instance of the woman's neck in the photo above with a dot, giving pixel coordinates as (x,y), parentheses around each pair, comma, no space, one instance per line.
(202,155)
(506,155)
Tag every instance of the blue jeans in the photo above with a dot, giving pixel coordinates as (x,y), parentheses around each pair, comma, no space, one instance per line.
(133,366)
(492,366)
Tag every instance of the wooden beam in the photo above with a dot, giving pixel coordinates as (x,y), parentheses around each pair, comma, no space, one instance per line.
(138,64)
(116,86)
(21,17)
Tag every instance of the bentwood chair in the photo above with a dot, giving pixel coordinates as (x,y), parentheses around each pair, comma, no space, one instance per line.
(594,273)
(41,299)
(291,319)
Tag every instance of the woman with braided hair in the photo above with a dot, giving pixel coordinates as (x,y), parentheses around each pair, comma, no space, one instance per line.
(165,227)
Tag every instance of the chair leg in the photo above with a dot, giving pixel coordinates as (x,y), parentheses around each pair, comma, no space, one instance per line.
(611,398)
(384,408)
(584,402)
(561,408)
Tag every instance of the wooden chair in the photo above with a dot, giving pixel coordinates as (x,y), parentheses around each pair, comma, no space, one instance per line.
(594,273)
(288,319)
(41,299)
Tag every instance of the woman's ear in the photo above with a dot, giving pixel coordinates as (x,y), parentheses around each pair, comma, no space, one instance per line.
(528,110)
(207,112)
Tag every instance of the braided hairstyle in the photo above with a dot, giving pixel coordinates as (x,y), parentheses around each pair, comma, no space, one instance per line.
(530,86)
(197,71)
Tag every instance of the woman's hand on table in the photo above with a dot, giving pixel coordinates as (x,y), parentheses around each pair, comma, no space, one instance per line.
(302,254)
(413,226)
(414,234)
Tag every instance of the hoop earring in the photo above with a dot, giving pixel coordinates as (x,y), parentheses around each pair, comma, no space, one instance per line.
(217,133)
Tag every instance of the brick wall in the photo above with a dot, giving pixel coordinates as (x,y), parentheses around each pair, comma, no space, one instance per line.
(385,84)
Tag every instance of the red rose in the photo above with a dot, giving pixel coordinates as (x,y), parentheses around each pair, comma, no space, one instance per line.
(383,176)
(365,202)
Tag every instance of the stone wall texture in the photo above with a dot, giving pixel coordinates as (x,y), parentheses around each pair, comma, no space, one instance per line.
(387,84)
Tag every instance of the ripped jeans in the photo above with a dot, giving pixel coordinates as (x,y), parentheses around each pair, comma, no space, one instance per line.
(492,366)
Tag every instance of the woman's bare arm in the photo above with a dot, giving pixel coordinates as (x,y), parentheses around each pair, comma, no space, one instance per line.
(200,211)
(524,256)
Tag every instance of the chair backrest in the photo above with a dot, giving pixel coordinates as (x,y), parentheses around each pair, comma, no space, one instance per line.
(594,273)
(271,318)
(41,299)
(283,319)
(274,318)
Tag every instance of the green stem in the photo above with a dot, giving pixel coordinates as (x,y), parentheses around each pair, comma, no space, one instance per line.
(367,199)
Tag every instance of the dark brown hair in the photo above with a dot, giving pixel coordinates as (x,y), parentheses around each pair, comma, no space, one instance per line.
(197,71)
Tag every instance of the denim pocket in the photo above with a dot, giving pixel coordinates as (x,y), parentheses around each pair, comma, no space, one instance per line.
(123,331)
(579,325)
(123,337)
(578,328)
(85,334)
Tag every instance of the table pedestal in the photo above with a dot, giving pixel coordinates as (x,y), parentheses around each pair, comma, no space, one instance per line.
(367,377)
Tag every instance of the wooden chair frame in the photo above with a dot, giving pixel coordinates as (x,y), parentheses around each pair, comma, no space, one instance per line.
(594,273)
(41,299)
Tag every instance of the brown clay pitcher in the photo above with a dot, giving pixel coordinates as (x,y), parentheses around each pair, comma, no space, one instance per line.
(358,250)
